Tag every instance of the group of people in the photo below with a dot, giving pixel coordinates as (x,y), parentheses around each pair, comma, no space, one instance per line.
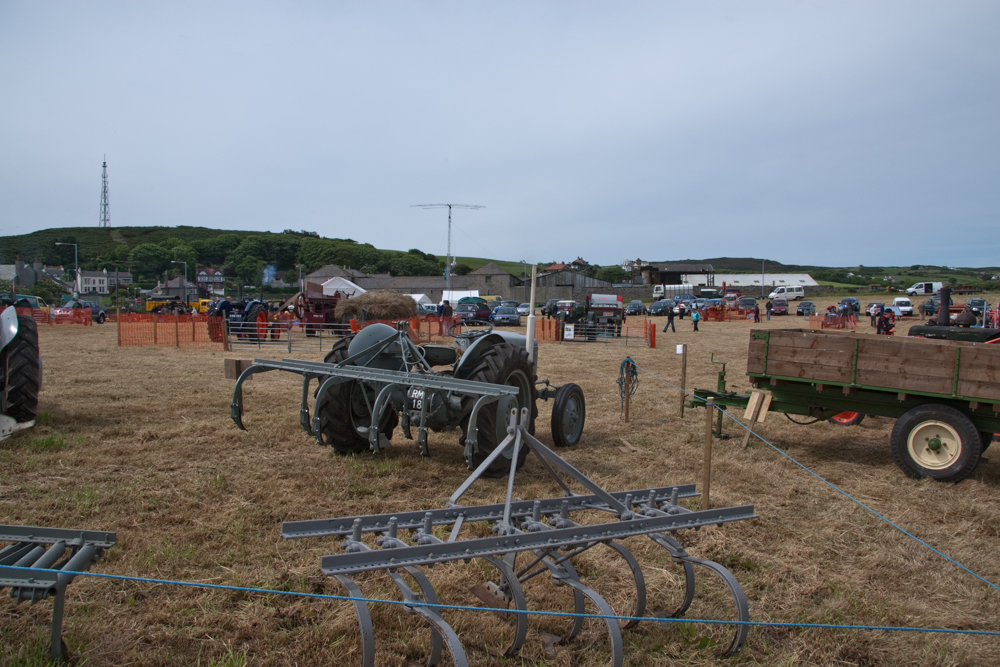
(695,317)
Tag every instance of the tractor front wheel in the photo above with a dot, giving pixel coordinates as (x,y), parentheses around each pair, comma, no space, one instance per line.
(503,364)
(569,412)
(19,362)
(936,441)
(346,415)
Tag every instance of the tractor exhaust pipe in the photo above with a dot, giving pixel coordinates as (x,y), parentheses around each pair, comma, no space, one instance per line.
(944,312)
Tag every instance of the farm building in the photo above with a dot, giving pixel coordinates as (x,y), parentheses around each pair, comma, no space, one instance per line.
(743,280)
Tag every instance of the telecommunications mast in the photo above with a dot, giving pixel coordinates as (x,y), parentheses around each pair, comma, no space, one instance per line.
(447,266)
(105,207)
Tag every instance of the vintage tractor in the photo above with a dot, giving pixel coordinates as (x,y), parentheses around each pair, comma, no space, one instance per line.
(20,371)
(380,377)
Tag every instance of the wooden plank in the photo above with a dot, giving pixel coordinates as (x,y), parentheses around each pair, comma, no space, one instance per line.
(753,405)
(987,391)
(813,372)
(812,342)
(903,383)
(907,366)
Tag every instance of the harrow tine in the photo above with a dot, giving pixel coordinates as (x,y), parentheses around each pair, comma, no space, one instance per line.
(512,587)
(566,574)
(640,587)
(364,620)
(440,630)
(742,610)
(679,556)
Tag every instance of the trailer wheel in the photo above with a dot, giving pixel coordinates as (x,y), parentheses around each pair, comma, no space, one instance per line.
(346,418)
(503,364)
(847,418)
(987,440)
(569,411)
(936,441)
(19,361)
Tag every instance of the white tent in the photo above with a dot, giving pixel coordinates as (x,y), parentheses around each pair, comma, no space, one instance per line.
(342,285)
(420,298)
(453,296)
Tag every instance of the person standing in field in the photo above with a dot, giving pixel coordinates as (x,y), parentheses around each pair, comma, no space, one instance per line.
(769,306)
(756,313)
(875,312)
(670,321)
(680,309)
(444,315)
(695,318)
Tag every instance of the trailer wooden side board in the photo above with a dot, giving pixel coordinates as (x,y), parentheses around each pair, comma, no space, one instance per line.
(920,366)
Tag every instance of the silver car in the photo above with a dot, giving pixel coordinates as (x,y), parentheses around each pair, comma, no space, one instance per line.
(507,315)
(524,309)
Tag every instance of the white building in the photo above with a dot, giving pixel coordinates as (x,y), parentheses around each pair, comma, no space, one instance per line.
(751,280)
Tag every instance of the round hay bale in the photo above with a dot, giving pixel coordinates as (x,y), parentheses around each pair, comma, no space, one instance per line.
(380,305)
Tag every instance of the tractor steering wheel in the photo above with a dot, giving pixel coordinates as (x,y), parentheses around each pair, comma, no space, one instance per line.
(469,334)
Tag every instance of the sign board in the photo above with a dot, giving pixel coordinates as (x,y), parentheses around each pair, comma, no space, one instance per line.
(680,349)
(568,332)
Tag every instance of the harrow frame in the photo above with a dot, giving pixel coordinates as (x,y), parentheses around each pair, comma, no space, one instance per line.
(543,528)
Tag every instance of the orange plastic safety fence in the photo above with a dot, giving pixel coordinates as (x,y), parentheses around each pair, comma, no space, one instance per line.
(423,329)
(165,330)
(832,321)
(548,330)
(70,316)
(41,316)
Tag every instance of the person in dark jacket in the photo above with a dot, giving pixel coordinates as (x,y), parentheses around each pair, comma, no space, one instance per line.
(756,313)
(670,321)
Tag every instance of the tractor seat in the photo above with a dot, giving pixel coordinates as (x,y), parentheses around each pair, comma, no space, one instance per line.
(439,355)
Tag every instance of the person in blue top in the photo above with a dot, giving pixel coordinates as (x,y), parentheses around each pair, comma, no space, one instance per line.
(695,318)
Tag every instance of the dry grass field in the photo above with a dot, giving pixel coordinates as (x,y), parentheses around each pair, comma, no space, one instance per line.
(139,441)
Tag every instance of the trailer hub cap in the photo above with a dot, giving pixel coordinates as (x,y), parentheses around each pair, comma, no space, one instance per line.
(934,445)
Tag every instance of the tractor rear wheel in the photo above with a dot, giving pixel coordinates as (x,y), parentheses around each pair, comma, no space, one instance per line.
(503,364)
(19,362)
(256,318)
(346,417)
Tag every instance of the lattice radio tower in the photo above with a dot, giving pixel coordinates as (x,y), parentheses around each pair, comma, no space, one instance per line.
(105,206)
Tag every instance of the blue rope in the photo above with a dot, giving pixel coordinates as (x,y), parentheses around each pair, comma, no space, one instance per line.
(633,382)
(347,598)
(834,486)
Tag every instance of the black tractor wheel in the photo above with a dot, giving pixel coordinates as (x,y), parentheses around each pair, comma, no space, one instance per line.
(503,364)
(847,418)
(987,438)
(19,362)
(255,322)
(346,417)
(569,411)
(936,441)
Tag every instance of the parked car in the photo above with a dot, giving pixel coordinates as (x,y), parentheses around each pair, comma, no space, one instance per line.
(851,302)
(789,293)
(513,303)
(923,288)
(713,303)
(779,307)
(507,315)
(524,309)
(24,300)
(806,308)
(635,307)
(473,311)
(98,313)
(661,307)
(426,309)
(873,304)
(905,305)
(931,305)
(747,302)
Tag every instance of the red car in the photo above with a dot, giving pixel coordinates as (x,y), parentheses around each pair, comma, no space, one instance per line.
(779,307)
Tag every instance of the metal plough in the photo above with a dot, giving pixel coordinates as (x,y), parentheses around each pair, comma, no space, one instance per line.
(543,531)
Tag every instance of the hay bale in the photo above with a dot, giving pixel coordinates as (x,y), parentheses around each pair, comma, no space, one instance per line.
(380,305)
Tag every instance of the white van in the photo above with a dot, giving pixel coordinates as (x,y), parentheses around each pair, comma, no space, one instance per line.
(924,288)
(789,293)
(904,305)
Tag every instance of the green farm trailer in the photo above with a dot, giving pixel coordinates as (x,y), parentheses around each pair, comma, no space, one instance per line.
(944,394)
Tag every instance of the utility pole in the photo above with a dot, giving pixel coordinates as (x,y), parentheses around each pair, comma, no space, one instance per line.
(105,206)
(447,266)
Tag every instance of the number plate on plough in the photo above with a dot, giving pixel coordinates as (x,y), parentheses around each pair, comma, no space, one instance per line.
(543,533)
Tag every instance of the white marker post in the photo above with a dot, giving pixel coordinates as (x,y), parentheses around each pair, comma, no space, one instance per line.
(531,317)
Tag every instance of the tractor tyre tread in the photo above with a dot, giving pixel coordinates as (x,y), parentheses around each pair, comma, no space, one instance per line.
(336,424)
(251,318)
(20,360)
(495,366)
(562,397)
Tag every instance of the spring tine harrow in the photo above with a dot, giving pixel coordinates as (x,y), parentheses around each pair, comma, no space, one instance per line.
(542,533)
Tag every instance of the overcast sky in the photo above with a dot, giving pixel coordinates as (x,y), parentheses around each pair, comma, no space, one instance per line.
(832,133)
